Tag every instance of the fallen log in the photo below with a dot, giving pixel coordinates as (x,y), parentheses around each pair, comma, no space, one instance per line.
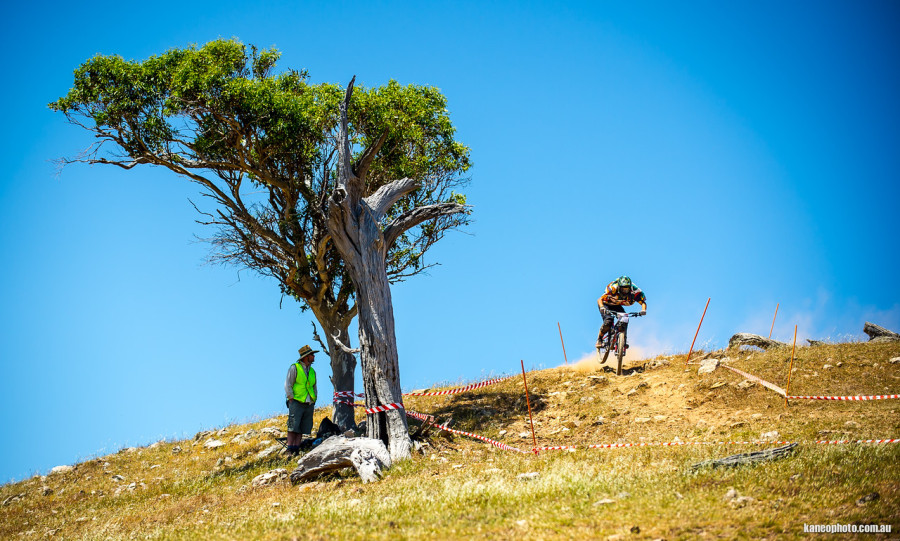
(878,334)
(748,458)
(366,455)
(747,339)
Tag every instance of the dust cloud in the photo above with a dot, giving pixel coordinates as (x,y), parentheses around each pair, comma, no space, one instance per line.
(590,362)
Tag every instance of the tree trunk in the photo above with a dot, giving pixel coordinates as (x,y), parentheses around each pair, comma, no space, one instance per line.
(878,333)
(380,362)
(364,256)
(368,457)
(353,223)
(343,368)
(747,339)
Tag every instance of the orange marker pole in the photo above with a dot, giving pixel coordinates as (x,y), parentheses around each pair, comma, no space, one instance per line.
(528,401)
(696,333)
(787,391)
(563,344)
(773,320)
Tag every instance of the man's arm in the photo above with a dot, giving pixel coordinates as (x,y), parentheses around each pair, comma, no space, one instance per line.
(642,299)
(289,382)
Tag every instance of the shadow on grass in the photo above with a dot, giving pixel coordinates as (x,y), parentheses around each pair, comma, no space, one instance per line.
(485,411)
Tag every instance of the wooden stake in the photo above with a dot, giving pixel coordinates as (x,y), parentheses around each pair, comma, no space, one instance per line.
(787,391)
(773,320)
(563,343)
(528,401)
(696,333)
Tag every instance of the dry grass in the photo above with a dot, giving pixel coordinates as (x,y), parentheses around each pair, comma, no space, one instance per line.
(466,489)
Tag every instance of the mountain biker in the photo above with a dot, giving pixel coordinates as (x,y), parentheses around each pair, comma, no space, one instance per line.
(620,292)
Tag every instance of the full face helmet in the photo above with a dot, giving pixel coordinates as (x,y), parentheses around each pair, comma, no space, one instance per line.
(624,284)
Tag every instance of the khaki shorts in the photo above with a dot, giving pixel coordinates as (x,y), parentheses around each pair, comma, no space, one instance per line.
(300,417)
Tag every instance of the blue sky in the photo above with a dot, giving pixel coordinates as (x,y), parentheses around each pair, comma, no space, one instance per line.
(745,152)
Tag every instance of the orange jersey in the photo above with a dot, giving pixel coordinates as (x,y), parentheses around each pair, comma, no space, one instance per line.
(615,298)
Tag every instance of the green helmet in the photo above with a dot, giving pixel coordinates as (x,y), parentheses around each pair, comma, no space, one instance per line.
(624,281)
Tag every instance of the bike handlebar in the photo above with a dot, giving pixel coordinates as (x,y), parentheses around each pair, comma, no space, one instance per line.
(619,314)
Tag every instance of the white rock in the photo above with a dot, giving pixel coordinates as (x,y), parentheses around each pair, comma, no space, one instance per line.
(117,478)
(895,360)
(273,431)
(269,478)
(826,366)
(746,384)
(708,365)
(740,501)
(773,435)
(502,433)
(528,476)
(524,434)
(731,494)
(62,469)
(642,419)
(268,451)
(214,444)
(605,501)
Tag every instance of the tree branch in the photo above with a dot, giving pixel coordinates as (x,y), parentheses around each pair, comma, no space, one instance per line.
(345,349)
(387,195)
(347,182)
(319,339)
(365,160)
(416,216)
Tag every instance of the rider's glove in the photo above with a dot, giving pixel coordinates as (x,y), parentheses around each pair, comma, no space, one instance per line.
(643,312)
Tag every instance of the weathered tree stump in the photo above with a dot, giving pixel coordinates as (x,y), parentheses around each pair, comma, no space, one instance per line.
(878,334)
(748,458)
(747,339)
(367,456)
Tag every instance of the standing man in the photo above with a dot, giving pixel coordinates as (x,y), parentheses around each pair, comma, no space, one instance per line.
(620,292)
(300,389)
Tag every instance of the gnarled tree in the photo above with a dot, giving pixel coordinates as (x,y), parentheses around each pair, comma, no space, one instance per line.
(266,149)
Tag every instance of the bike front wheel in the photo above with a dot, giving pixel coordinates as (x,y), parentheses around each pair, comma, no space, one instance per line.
(620,353)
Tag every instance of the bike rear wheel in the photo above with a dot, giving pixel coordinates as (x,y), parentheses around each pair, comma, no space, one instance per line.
(620,352)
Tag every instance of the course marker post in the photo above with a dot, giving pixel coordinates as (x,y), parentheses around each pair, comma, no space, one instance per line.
(528,401)
(787,390)
(773,320)
(696,333)
(562,342)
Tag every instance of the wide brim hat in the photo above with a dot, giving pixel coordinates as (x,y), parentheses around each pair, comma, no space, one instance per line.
(306,350)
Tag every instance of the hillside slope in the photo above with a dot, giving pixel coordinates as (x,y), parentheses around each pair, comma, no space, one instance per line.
(462,487)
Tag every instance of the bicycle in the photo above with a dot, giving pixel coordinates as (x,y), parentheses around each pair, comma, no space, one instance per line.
(616,339)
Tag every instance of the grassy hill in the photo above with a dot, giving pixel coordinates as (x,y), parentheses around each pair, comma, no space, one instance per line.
(463,488)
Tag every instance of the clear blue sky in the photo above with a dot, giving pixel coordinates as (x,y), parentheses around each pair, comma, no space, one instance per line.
(746,152)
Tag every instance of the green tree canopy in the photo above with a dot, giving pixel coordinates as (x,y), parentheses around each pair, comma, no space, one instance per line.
(264,146)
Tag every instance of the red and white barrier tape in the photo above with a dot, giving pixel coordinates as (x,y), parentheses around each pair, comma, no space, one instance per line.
(678,443)
(429,420)
(832,442)
(782,392)
(355,404)
(349,394)
(756,379)
(850,398)
(382,408)
(461,389)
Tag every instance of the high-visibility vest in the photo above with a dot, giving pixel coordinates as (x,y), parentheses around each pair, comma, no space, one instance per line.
(304,385)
